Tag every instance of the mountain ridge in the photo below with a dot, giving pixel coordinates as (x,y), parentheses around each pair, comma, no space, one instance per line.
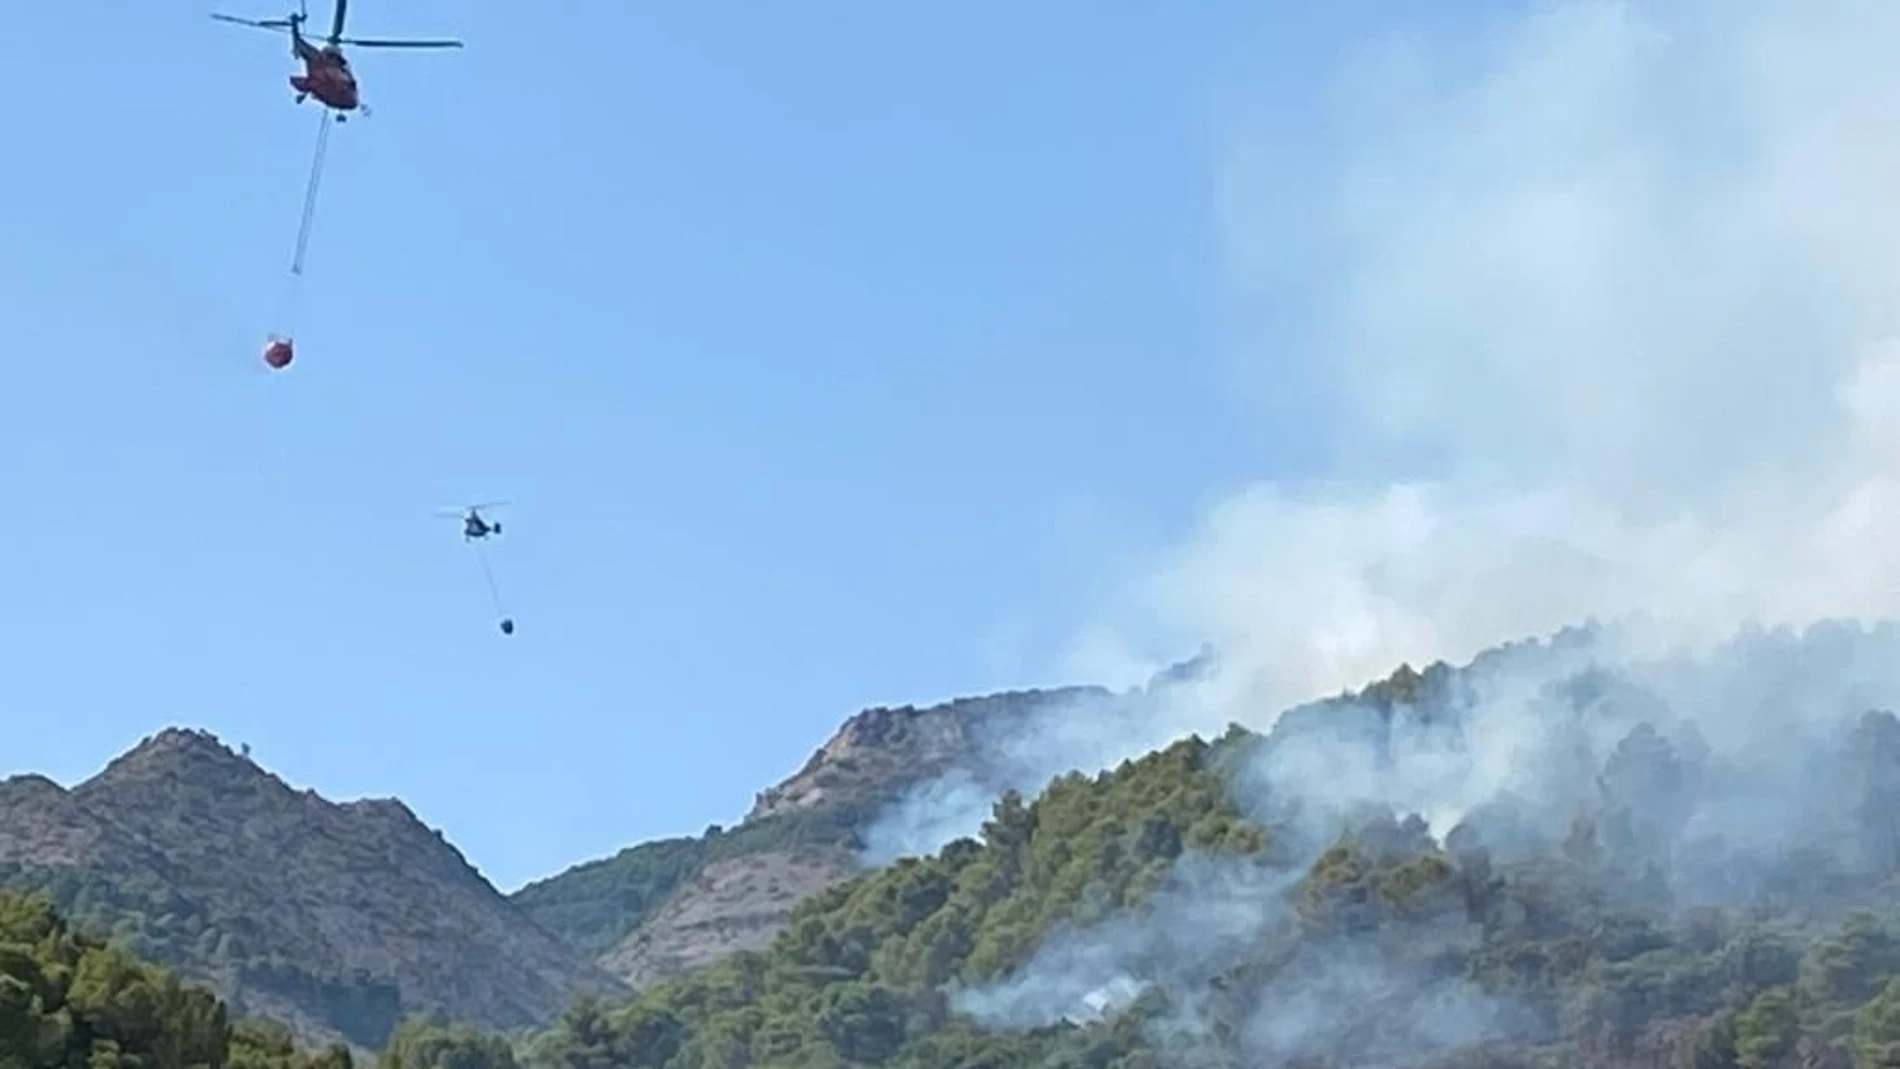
(197,856)
(337,918)
(173,846)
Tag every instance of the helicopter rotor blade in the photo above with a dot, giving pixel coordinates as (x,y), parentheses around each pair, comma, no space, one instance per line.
(262,24)
(356,42)
(460,512)
(336,25)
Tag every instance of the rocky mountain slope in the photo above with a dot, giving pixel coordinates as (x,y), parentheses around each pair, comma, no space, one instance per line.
(334,918)
(339,919)
(661,907)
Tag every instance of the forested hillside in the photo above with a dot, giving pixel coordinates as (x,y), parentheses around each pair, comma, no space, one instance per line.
(1658,898)
(1387,949)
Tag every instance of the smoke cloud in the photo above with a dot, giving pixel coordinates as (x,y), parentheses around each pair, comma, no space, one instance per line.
(1202,923)
(1608,298)
(1726,777)
(1090,729)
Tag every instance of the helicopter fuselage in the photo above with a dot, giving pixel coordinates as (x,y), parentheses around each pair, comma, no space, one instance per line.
(326,76)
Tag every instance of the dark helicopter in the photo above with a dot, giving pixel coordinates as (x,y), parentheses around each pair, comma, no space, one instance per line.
(473,525)
(476,530)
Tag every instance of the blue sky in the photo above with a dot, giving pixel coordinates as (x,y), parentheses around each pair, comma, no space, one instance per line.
(830,355)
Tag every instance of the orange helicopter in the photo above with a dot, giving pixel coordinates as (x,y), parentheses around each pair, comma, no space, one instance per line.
(326,72)
(326,76)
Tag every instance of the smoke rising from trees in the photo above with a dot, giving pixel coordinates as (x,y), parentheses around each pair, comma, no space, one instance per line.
(1608,297)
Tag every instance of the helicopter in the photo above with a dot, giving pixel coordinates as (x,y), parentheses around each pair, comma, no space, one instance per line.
(474,527)
(476,530)
(326,73)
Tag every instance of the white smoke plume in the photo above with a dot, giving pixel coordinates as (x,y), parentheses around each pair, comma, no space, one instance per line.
(1729,773)
(1214,915)
(1200,924)
(1608,298)
(953,806)
(1058,732)
(1620,307)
